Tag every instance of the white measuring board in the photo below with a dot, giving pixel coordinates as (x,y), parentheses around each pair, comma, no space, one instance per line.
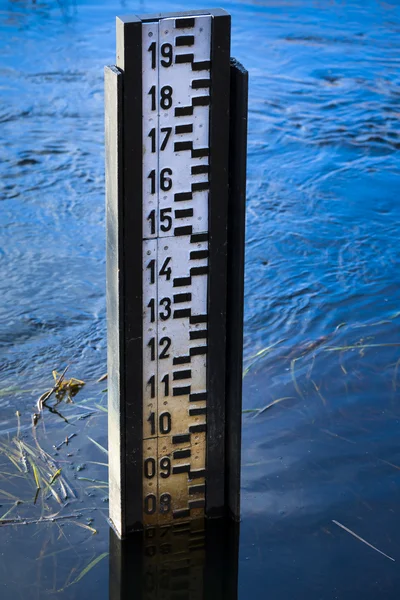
(176,149)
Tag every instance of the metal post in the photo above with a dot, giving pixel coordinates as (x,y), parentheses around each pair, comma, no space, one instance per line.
(176,117)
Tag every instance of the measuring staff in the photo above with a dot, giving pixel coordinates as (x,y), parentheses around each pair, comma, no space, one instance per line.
(176,126)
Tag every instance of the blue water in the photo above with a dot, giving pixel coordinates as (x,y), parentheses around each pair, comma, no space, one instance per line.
(322,308)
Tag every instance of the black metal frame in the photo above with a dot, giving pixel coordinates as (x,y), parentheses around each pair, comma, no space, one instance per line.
(235,282)
(129,60)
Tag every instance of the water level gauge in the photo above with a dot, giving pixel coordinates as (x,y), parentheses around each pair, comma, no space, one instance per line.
(176,114)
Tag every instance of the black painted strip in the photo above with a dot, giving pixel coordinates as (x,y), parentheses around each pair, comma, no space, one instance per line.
(201,101)
(199,237)
(197,503)
(180,469)
(198,271)
(184,40)
(198,397)
(201,186)
(183,111)
(180,146)
(182,438)
(184,23)
(198,350)
(182,298)
(183,129)
(194,319)
(204,65)
(198,428)
(200,169)
(183,196)
(182,454)
(183,213)
(181,360)
(198,254)
(179,528)
(182,281)
(182,313)
(197,474)
(184,58)
(200,152)
(197,489)
(201,83)
(195,546)
(181,572)
(195,412)
(200,334)
(181,391)
(182,374)
(235,282)
(186,230)
(216,500)
(180,590)
(182,513)
(197,535)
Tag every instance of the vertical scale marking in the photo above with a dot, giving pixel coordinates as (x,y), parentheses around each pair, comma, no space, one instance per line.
(176,114)
(150,298)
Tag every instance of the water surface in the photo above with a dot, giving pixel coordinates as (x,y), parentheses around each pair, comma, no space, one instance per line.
(322,312)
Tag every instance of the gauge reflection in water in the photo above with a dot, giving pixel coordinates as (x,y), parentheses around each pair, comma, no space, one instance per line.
(196,560)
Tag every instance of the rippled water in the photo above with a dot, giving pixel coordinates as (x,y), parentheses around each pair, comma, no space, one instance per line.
(322,295)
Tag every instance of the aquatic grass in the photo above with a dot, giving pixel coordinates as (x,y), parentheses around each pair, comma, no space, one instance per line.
(358,537)
(66,441)
(62,389)
(42,472)
(42,556)
(336,435)
(99,446)
(4,392)
(44,519)
(37,490)
(39,469)
(54,476)
(98,487)
(37,478)
(16,503)
(310,386)
(255,358)
(18,415)
(85,526)
(260,411)
(89,567)
(394,379)
(361,346)
(8,495)
(14,462)
(293,374)
(318,390)
(92,480)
